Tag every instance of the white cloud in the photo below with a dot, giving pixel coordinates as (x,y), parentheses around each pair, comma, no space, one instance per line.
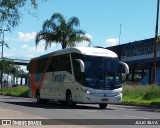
(85,43)
(8,54)
(40,47)
(25,46)
(8,39)
(82,44)
(112,41)
(13,49)
(26,36)
(29,56)
(89,36)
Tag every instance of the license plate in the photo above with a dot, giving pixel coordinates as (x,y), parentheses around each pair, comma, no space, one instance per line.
(104,99)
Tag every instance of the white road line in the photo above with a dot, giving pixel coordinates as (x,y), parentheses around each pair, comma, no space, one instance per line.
(79,110)
(135,117)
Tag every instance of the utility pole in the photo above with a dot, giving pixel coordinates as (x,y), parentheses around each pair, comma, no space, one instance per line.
(2,42)
(120,34)
(120,42)
(155,46)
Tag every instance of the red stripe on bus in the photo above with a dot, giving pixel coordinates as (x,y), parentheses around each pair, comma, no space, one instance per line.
(38,85)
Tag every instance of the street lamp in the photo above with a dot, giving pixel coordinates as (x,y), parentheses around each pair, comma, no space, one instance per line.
(2,42)
(120,42)
(2,30)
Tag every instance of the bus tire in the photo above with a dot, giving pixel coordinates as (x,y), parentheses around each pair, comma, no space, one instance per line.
(38,97)
(63,103)
(69,101)
(102,106)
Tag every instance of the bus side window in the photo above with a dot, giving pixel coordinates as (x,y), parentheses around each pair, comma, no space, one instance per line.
(61,63)
(51,66)
(40,66)
(65,63)
(68,68)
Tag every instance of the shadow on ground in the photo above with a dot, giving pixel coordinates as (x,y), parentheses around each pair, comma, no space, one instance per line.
(55,105)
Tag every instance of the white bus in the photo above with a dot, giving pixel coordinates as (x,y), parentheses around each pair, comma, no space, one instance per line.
(77,75)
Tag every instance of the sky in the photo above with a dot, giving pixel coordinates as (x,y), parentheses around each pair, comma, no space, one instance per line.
(102,20)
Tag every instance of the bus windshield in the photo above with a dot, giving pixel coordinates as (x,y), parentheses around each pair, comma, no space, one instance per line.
(101,72)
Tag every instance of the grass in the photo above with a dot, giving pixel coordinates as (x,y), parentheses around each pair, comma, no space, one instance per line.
(132,94)
(21,91)
(141,95)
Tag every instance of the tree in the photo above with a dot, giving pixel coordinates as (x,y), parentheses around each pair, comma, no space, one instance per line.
(9,68)
(15,73)
(10,11)
(58,30)
(6,67)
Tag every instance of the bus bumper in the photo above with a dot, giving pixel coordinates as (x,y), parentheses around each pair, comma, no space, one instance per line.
(91,99)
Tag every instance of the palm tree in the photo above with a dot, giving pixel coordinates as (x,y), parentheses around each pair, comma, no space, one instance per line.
(58,30)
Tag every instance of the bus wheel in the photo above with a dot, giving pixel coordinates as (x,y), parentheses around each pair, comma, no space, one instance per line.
(63,102)
(103,106)
(38,97)
(69,99)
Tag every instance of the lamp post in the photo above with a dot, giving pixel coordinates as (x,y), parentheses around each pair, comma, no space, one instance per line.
(120,41)
(120,34)
(2,42)
(155,46)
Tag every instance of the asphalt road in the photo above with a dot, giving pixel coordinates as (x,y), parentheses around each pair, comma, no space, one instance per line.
(55,110)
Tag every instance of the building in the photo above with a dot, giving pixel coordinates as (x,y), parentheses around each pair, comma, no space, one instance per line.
(139,55)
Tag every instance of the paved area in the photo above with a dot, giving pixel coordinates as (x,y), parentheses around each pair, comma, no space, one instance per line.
(12,114)
(26,108)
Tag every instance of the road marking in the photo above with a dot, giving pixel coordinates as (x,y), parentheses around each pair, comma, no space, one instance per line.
(79,110)
(137,117)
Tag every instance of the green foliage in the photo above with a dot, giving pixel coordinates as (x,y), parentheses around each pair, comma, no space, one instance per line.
(10,11)
(7,66)
(152,92)
(133,92)
(58,30)
(138,94)
(21,91)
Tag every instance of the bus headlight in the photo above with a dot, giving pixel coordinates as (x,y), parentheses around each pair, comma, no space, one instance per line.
(86,91)
(118,93)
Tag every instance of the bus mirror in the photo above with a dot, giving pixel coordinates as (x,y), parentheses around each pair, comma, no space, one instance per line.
(81,65)
(125,66)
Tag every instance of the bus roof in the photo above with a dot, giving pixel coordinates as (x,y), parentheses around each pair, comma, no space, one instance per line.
(84,51)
